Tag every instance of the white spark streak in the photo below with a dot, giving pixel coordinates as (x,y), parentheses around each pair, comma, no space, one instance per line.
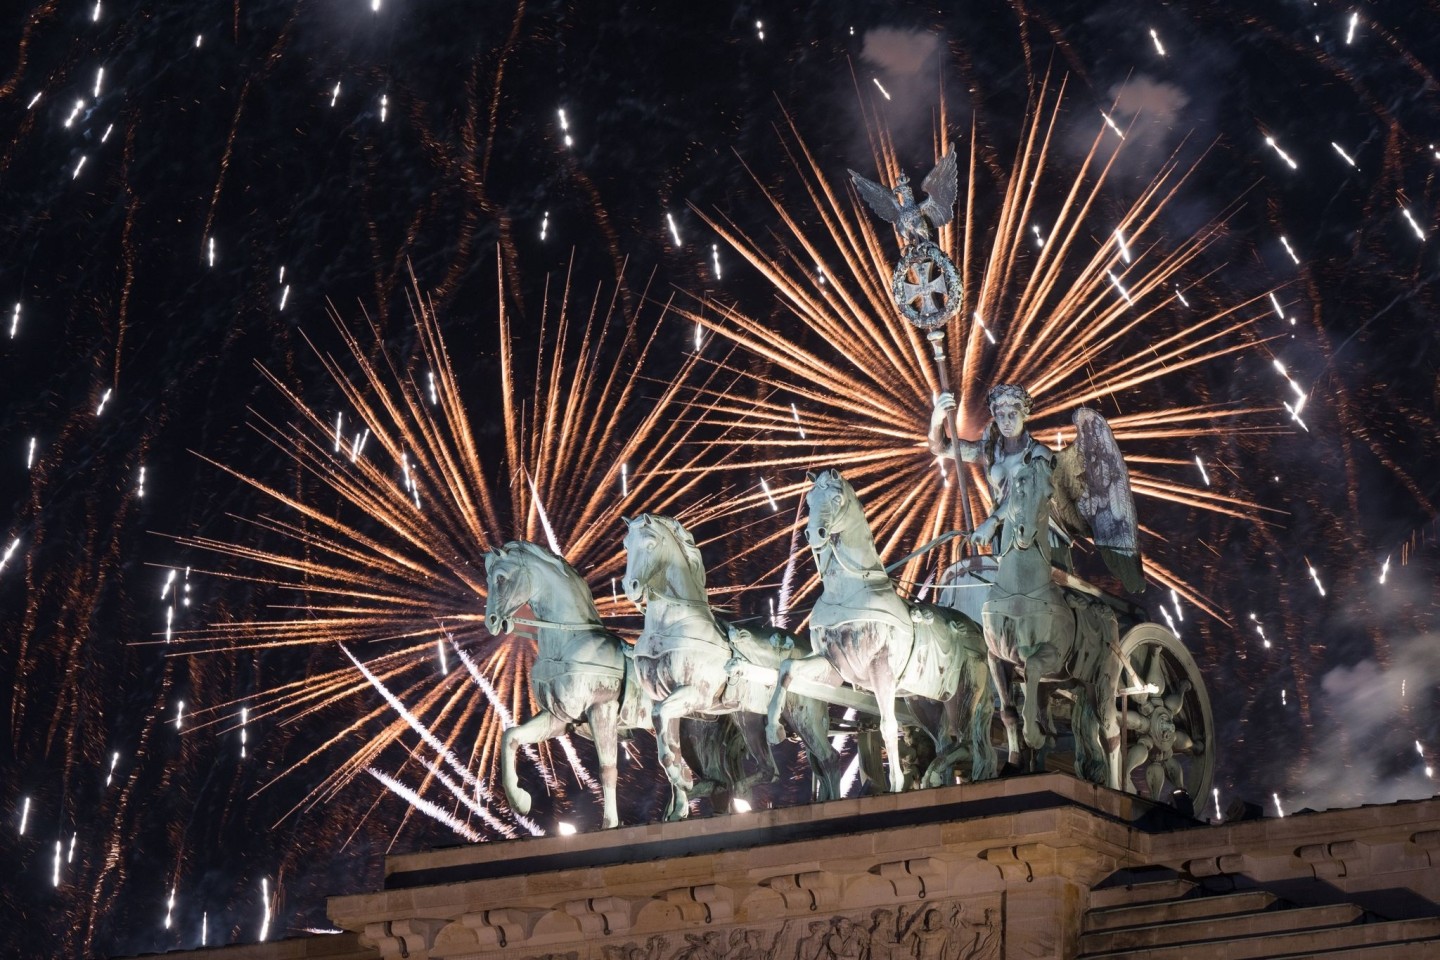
(1384,569)
(99,78)
(284,296)
(760,29)
(384,106)
(55,874)
(1116,281)
(70,854)
(265,896)
(1203,475)
(1181,297)
(1216,792)
(544,517)
(15,321)
(774,507)
(434,742)
(794,413)
(78,168)
(1278,809)
(114,759)
(36,99)
(1315,575)
(1159,47)
(24,815)
(434,393)
(715,258)
(1175,599)
(1275,302)
(335,94)
(624,480)
(179,714)
(170,909)
(1345,156)
(106,135)
(507,719)
(885,93)
(94,17)
(8,552)
(1419,234)
(339,423)
(544,225)
(211,254)
(988,335)
(1289,249)
(1270,142)
(1112,125)
(1119,239)
(674,232)
(1350,31)
(422,805)
(74,112)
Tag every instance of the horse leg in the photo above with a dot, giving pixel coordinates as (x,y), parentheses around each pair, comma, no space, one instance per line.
(542,726)
(932,716)
(752,731)
(814,668)
(1043,660)
(1000,675)
(665,715)
(824,761)
(605,727)
(882,683)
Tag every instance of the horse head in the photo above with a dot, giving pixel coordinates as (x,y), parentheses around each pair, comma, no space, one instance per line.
(508,588)
(830,502)
(1024,510)
(655,547)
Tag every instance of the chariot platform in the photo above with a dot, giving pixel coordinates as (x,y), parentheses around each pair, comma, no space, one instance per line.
(1035,866)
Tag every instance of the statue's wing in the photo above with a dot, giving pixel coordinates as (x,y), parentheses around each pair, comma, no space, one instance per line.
(880,199)
(942,188)
(1092,497)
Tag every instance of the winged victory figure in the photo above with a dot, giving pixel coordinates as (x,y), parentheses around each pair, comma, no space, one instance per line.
(897,206)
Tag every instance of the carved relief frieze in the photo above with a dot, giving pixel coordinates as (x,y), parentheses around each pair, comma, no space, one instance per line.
(932,930)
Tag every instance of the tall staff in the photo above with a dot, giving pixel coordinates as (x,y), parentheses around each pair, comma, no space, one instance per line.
(926,286)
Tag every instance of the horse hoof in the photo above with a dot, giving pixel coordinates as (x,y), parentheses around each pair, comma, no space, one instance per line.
(609,822)
(774,733)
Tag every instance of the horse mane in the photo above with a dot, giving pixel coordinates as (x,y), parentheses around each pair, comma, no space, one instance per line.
(687,546)
(536,552)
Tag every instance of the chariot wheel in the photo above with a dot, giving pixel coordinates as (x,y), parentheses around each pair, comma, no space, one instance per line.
(1167,732)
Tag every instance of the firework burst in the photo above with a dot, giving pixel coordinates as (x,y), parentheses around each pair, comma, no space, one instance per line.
(1091,308)
(381,543)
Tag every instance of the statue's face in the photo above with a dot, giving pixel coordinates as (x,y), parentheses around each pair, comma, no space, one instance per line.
(1009,418)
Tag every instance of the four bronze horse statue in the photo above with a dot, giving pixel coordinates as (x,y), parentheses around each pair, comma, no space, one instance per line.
(931,666)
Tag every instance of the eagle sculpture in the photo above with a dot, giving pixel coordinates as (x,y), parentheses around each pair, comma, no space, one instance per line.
(898,206)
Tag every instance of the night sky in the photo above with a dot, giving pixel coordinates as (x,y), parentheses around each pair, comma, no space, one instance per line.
(193,195)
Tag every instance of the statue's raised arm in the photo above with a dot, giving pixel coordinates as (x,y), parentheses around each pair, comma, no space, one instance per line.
(1092,497)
